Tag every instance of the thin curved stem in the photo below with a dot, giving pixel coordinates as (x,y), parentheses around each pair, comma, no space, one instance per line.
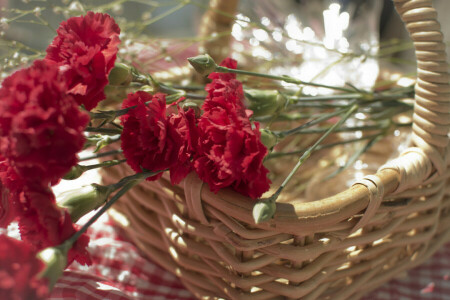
(124,185)
(284,78)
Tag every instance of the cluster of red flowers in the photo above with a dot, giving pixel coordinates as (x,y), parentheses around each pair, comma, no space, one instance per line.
(222,145)
(41,132)
(230,151)
(40,125)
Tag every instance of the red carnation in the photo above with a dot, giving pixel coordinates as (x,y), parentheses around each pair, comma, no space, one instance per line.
(225,94)
(41,127)
(43,224)
(153,141)
(19,270)
(231,154)
(183,130)
(253,181)
(225,91)
(230,151)
(85,49)
(144,135)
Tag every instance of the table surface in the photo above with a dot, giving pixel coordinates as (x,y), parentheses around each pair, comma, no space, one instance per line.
(120,272)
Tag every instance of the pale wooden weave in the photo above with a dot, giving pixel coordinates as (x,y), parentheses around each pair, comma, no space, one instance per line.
(340,247)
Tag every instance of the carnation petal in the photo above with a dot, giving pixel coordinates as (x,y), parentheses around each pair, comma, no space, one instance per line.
(86,47)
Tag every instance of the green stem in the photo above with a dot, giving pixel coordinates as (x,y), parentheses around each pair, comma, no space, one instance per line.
(113,114)
(45,23)
(284,117)
(188,87)
(78,170)
(101,141)
(284,78)
(103,130)
(308,152)
(318,105)
(124,184)
(342,129)
(355,156)
(105,164)
(110,114)
(98,155)
(350,96)
(195,96)
(147,79)
(320,147)
(282,134)
(369,97)
(166,13)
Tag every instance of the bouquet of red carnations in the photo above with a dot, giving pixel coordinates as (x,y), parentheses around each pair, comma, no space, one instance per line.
(49,113)
(45,110)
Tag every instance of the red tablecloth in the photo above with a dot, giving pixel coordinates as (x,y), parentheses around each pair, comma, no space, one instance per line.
(120,272)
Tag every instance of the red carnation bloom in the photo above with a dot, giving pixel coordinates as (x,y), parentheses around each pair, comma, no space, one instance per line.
(225,91)
(230,151)
(225,94)
(253,181)
(19,269)
(43,224)
(41,127)
(86,49)
(152,141)
(183,130)
(144,135)
(231,154)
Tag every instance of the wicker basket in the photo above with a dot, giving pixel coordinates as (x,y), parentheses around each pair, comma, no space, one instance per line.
(340,247)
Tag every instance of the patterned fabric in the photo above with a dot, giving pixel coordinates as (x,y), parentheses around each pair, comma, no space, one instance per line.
(120,272)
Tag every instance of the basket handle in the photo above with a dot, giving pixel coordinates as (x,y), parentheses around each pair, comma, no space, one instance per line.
(218,19)
(431,119)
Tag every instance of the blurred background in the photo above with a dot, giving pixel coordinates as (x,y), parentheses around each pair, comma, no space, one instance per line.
(356,26)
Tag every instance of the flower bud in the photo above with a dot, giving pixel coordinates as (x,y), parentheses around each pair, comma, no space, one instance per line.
(81,201)
(105,141)
(203,64)
(75,172)
(263,211)
(265,102)
(55,260)
(268,138)
(121,74)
